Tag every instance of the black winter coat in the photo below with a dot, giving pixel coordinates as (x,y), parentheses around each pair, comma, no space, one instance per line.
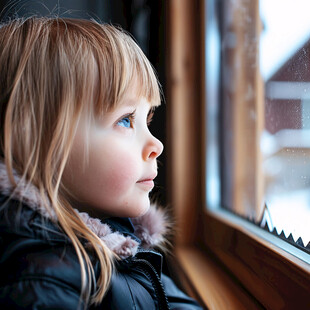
(40,270)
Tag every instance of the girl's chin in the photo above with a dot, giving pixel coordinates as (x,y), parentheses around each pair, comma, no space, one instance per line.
(139,211)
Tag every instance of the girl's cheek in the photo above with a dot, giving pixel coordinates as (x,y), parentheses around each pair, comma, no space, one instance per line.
(121,174)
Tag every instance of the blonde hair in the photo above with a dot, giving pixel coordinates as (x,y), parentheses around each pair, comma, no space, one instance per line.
(51,69)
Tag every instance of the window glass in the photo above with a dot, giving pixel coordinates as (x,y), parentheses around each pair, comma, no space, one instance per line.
(258,110)
(285,143)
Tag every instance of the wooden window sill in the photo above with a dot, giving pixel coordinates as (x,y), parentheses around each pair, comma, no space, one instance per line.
(207,281)
(270,269)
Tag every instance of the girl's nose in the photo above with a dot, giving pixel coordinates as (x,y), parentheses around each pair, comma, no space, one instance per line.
(153,148)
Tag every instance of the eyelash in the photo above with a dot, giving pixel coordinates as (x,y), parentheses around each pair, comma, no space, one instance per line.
(150,117)
(131,118)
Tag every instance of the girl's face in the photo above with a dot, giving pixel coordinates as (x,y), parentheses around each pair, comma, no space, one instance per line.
(113,160)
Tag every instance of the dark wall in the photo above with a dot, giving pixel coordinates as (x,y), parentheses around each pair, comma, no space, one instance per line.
(144,19)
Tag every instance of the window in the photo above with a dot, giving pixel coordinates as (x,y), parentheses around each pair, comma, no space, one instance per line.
(263,113)
(222,251)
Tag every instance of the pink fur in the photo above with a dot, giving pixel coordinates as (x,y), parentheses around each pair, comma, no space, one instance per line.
(151,227)
(121,245)
(26,193)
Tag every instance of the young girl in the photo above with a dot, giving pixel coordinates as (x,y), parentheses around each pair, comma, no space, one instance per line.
(77,162)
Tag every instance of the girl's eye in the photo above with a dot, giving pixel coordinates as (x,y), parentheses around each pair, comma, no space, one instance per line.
(127,121)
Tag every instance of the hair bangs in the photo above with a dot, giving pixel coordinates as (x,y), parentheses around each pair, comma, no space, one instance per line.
(122,65)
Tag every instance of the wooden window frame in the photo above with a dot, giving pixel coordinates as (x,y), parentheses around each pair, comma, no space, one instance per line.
(222,263)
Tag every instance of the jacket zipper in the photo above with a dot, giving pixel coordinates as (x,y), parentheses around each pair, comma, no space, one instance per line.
(156,283)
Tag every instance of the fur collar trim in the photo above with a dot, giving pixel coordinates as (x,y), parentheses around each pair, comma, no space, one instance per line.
(149,228)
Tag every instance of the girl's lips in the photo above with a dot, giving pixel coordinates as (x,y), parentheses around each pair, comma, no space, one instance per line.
(146,183)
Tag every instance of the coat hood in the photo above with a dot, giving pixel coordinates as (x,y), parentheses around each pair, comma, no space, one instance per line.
(150,229)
